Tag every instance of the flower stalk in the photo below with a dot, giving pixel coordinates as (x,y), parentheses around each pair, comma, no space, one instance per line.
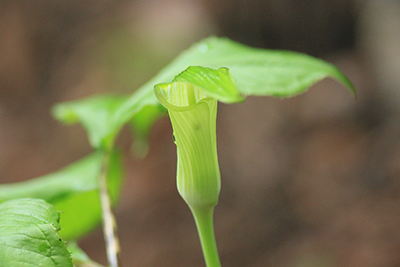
(205,227)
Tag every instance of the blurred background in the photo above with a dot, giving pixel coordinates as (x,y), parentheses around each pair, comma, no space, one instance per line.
(307,181)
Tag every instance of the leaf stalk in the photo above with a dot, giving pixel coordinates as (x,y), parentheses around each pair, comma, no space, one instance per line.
(108,218)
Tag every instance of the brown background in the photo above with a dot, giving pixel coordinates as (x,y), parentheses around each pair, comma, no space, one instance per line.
(307,181)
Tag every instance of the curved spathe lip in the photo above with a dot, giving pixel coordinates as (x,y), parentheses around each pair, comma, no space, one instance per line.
(180,96)
(197,84)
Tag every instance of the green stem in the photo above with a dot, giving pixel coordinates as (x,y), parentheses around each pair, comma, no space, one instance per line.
(205,228)
(109,223)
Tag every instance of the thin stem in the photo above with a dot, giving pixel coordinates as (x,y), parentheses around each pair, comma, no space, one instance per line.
(109,222)
(205,228)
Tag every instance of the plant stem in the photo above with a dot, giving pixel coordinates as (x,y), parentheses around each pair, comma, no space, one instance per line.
(205,228)
(109,223)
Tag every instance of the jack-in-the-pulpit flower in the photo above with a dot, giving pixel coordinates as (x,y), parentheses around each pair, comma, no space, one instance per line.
(191,101)
(193,117)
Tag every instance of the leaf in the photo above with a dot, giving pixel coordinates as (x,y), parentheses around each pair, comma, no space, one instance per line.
(28,235)
(257,72)
(73,190)
(94,114)
(77,178)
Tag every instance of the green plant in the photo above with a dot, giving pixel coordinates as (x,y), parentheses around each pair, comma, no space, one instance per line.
(189,88)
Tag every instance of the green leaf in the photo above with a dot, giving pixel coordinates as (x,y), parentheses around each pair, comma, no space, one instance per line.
(255,71)
(73,190)
(28,235)
(75,179)
(94,114)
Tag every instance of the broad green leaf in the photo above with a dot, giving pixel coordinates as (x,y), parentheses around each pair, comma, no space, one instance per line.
(28,235)
(79,257)
(74,192)
(255,71)
(94,114)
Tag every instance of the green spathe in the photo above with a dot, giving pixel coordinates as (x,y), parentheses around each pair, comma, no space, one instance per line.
(192,99)
(193,117)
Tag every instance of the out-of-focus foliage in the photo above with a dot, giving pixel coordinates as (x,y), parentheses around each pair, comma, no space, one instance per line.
(73,191)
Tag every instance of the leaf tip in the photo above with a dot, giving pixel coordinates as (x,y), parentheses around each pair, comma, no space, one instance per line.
(64,114)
